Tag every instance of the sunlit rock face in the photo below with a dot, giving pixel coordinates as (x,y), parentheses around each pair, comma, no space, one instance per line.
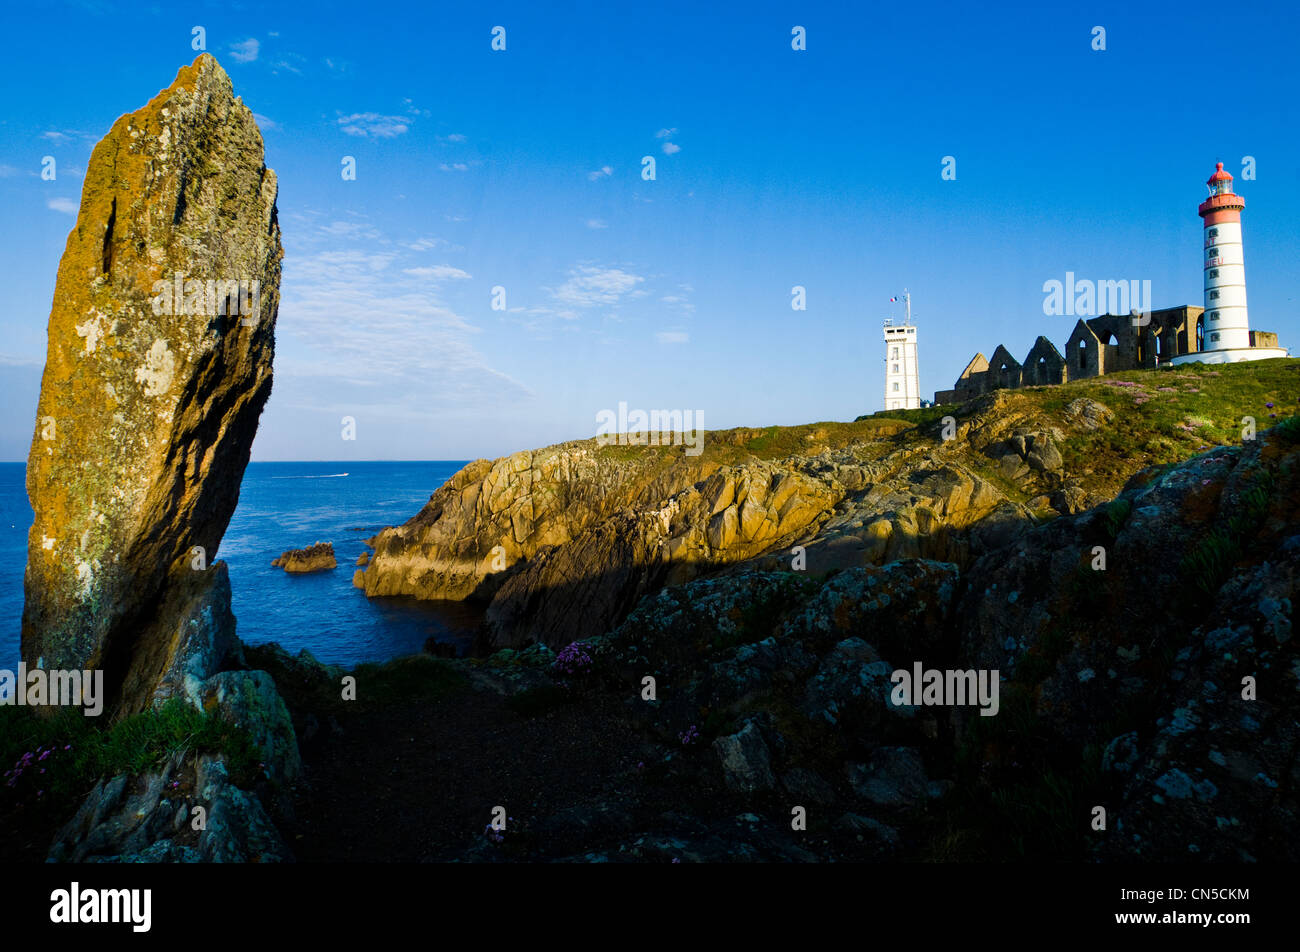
(161,338)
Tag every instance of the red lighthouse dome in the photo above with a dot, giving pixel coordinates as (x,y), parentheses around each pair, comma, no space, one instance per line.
(1223,204)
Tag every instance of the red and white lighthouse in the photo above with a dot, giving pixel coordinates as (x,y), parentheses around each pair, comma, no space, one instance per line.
(1225,329)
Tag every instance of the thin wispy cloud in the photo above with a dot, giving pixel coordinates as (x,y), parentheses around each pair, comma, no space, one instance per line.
(680,298)
(425,244)
(591,296)
(290,61)
(597,223)
(665,133)
(245,51)
(671,148)
(373,125)
(65,205)
(362,332)
(673,337)
(349,229)
(588,286)
(438,272)
(540,320)
(603,172)
(61,136)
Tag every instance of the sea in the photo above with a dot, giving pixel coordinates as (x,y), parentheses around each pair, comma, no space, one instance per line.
(288,506)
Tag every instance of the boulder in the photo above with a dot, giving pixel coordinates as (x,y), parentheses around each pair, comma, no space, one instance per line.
(894,777)
(1088,414)
(150,819)
(191,637)
(852,677)
(315,558)
(746,761)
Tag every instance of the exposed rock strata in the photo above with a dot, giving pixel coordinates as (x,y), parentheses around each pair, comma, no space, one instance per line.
(577,531)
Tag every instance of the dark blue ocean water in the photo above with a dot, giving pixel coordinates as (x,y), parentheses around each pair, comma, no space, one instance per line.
(288,506)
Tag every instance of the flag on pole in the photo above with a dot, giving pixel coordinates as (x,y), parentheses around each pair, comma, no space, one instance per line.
(893,299)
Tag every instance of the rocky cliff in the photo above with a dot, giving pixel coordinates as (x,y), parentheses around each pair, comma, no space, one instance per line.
(562,542)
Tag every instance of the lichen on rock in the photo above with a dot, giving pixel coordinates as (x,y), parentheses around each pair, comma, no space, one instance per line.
(161,338)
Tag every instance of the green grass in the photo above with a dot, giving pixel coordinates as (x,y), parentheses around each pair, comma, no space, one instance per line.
(1288,430)
(618,451)
(1216,398)
(779,442)
(1199,406)
(1117,514)
(738,445)
(921,417)
(1210,562)
(82,751)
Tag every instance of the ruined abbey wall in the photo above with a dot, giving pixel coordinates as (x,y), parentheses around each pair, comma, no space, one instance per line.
(1096,346)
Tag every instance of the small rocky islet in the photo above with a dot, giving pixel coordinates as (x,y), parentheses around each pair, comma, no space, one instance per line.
(317,557)
(680,652)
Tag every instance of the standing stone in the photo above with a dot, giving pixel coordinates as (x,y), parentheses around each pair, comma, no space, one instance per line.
(159,363)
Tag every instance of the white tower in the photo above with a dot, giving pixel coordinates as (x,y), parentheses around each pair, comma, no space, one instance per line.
(1225,329)
(902,380)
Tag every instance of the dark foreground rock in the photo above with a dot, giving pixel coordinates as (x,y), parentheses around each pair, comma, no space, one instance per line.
(152,818)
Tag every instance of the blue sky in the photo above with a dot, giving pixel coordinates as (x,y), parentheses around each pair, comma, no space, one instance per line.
(775,168)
